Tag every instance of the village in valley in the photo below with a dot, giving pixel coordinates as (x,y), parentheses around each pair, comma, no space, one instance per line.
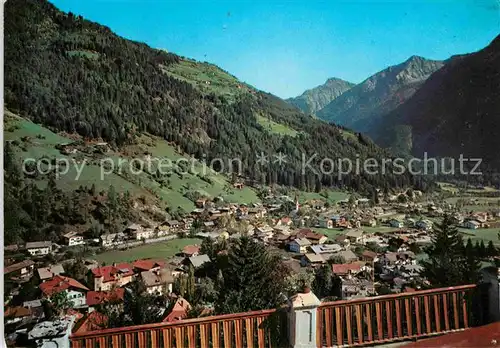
(373,247)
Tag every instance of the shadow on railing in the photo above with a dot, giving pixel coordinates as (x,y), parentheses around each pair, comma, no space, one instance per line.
(396,317)
(257,329)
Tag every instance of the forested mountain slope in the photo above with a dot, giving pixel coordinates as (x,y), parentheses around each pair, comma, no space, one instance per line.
(456,111)
(76,76)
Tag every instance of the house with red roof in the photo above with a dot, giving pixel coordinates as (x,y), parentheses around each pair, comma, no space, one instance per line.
(314,238)
(179,311)
(95,298)
(91,322)
(148,265)
(16,314)
(344,269)
(191,250)
(75,291)
(115,276)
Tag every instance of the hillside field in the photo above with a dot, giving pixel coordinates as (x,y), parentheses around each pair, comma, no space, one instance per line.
(37,143)
(162,250)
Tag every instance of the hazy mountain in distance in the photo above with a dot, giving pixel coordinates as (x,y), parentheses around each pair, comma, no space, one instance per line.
(316,98)
(363,105)
(456,111)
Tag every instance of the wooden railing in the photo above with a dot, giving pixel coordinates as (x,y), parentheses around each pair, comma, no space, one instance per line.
(250,329)
(367,321)
(396,317)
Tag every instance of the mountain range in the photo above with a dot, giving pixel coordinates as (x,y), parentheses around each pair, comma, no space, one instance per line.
(363,104)
(317,98)
(444,108)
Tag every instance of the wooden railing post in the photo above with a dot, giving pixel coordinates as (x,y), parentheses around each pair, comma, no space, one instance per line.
(302,320)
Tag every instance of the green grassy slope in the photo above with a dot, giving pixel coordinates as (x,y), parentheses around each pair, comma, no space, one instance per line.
(36,142)
(206,77)
(163,250)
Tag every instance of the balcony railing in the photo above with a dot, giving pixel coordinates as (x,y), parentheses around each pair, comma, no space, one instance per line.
(396,317)
(251,329)
(372,320)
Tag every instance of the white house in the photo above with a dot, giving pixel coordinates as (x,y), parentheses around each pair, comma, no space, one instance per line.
(39,248)
(198,260)
(75,291)
(78,298)
(158,282)
(370,222)
(23,269)
(49,272)
(73,238)
(299,245)
(111,239)
(410,222)
(138,232)
(264,232)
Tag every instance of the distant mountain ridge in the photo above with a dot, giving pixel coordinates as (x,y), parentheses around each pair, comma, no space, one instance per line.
(362,106)
(314,99)
(456,111)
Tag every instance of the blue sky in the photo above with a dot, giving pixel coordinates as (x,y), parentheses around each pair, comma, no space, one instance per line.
(285,47)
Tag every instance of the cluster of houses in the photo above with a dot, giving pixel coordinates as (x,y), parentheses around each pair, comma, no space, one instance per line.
(475,220)
(104,284)
(303,233)
(262,221)
(359,268)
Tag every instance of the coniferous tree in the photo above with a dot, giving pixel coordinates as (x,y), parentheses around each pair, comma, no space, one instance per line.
(482,250)
(469,247)
(477,249)
(447,263)
(190,286)
(139,307)
(323,281)
(253,279)
(491,251)
(471,264)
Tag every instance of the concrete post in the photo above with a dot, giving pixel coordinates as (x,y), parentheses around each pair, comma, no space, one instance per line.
(302,316)
(490,288)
